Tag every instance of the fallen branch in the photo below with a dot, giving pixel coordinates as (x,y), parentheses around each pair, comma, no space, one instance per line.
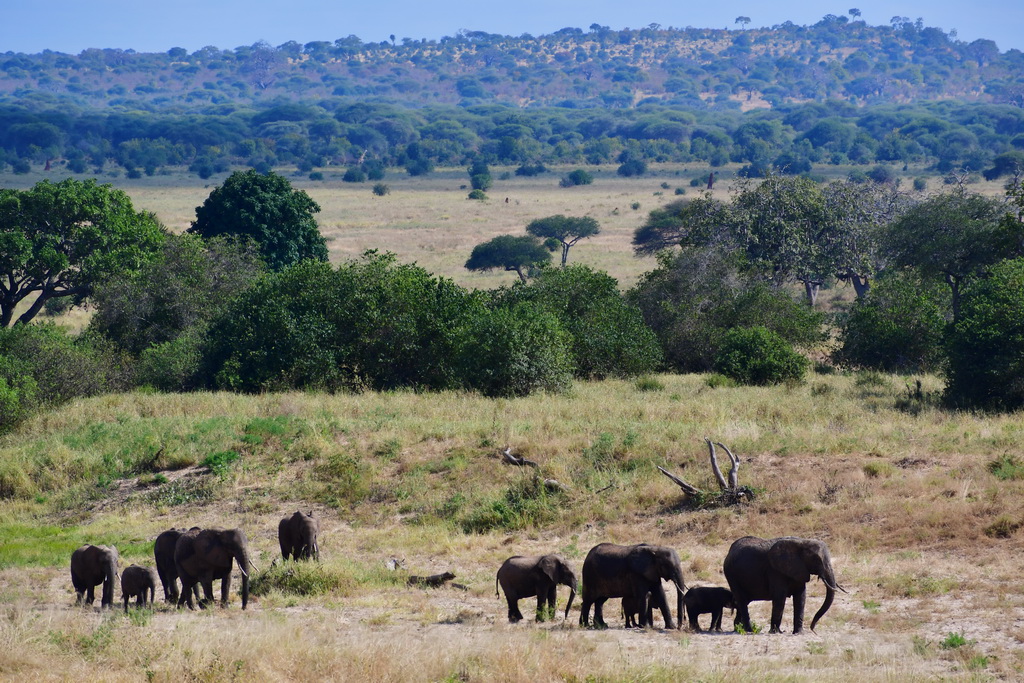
(687,489)
(518,462)
(555,485)
(432,581)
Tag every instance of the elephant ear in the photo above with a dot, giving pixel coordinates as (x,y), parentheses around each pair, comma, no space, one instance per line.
(787,557)
(549,567)
(642,561)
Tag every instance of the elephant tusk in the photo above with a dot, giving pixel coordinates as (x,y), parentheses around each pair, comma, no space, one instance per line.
(253,566)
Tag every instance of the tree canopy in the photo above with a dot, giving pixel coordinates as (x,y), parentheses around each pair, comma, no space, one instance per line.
(509,252)
(266,209)
(568,230)
(60,239)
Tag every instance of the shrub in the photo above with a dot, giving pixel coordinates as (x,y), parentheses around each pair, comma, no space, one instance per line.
(633,167)
(380,189)
(316,175)
(986,346)
(898,327)
(515,351)
(577,177)
(529,170)
(759,356)
(354,175)
(477,194)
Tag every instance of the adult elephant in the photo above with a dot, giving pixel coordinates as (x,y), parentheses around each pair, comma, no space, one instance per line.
(525,577)
(202,556)
(775,569)
(92,565)
(618,571)
(297,535)
(163,551)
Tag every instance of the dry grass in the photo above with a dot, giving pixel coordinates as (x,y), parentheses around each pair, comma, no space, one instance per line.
(908,541)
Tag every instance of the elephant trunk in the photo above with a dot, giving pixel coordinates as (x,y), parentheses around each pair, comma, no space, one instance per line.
(679,605)
(829,579)
(243,562)
(108,584)
(572,595)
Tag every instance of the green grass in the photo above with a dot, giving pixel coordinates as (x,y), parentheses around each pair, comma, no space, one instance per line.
(33,545)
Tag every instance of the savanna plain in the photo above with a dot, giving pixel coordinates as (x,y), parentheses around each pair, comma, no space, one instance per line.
(921,507)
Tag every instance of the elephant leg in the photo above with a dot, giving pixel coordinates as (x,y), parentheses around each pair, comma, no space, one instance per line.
(599,613)
(778,605)
(799,598)
(585,612)
(658,595)
(225,588)
(742,618)
(90,595)
(716,620)
(207,583)
(541,600)
(514,615)
(187,590)
(552,599)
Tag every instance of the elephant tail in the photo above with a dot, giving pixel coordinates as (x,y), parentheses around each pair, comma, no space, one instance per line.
(496,584)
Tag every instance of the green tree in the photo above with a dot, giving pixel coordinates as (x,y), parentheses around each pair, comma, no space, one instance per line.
(567,230)
(188,283)
(953,237)
(480,176)
(60,239)
(509,252)
(265,209)
(986,346)
(576,177)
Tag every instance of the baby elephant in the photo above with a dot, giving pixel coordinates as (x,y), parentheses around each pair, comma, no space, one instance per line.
(526,577)
(136,581)
(705,599)
(634,610)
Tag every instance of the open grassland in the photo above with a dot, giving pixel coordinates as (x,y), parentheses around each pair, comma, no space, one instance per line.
(921,508)
(429,220)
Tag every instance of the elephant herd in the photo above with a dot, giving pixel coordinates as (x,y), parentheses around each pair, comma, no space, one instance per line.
(194,556)
(755,568)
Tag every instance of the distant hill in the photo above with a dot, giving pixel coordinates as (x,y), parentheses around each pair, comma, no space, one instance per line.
(791,97)
(600,67)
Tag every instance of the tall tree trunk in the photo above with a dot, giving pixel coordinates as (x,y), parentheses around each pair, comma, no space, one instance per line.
(811,291)
(861,285)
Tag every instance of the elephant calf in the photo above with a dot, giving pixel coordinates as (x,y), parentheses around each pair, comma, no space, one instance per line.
(634,611)
(525,577)
(704,600)
(137,582)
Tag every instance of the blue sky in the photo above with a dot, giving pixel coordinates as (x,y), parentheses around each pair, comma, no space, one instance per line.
(157,25)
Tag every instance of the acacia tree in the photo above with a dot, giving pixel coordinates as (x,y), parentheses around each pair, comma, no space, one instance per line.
(509,252)
(567,230)
(60,239)
(265,209)
(955,237)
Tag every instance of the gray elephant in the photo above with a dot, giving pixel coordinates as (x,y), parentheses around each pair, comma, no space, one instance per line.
(163,552)
(525,577)
(705,600)
(203,556)
(139,583)
(775,569)
(298,536)
(634,610)
(92,565)
(618,571)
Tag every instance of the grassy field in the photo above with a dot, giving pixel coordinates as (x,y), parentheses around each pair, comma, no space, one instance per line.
(429,220)
(921,508)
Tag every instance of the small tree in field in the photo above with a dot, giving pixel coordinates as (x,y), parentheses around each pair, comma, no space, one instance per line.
(756,355)
(567,230)
(265,209)
(509,252)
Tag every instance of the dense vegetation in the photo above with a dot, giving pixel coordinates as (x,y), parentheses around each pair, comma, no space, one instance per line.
(839,91)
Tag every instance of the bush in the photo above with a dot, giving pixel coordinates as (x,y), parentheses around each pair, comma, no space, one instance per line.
(986,346)
(759,356)
(354,175)
(577,177)
(633,167)
(477,194)
(380,189)
(898,327)
(529,170)
(515,351)
(316,175)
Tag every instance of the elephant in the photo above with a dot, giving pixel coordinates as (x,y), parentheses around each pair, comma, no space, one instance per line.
(163,551)
(92,565)
(525,577)
(298,536)
(618,571)
(634,610)
(136,582)
(775,569)
(202,556)
(704,599)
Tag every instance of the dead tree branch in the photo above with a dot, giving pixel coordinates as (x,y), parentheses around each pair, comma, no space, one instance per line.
(729,493)
(518,462)
(433,581)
